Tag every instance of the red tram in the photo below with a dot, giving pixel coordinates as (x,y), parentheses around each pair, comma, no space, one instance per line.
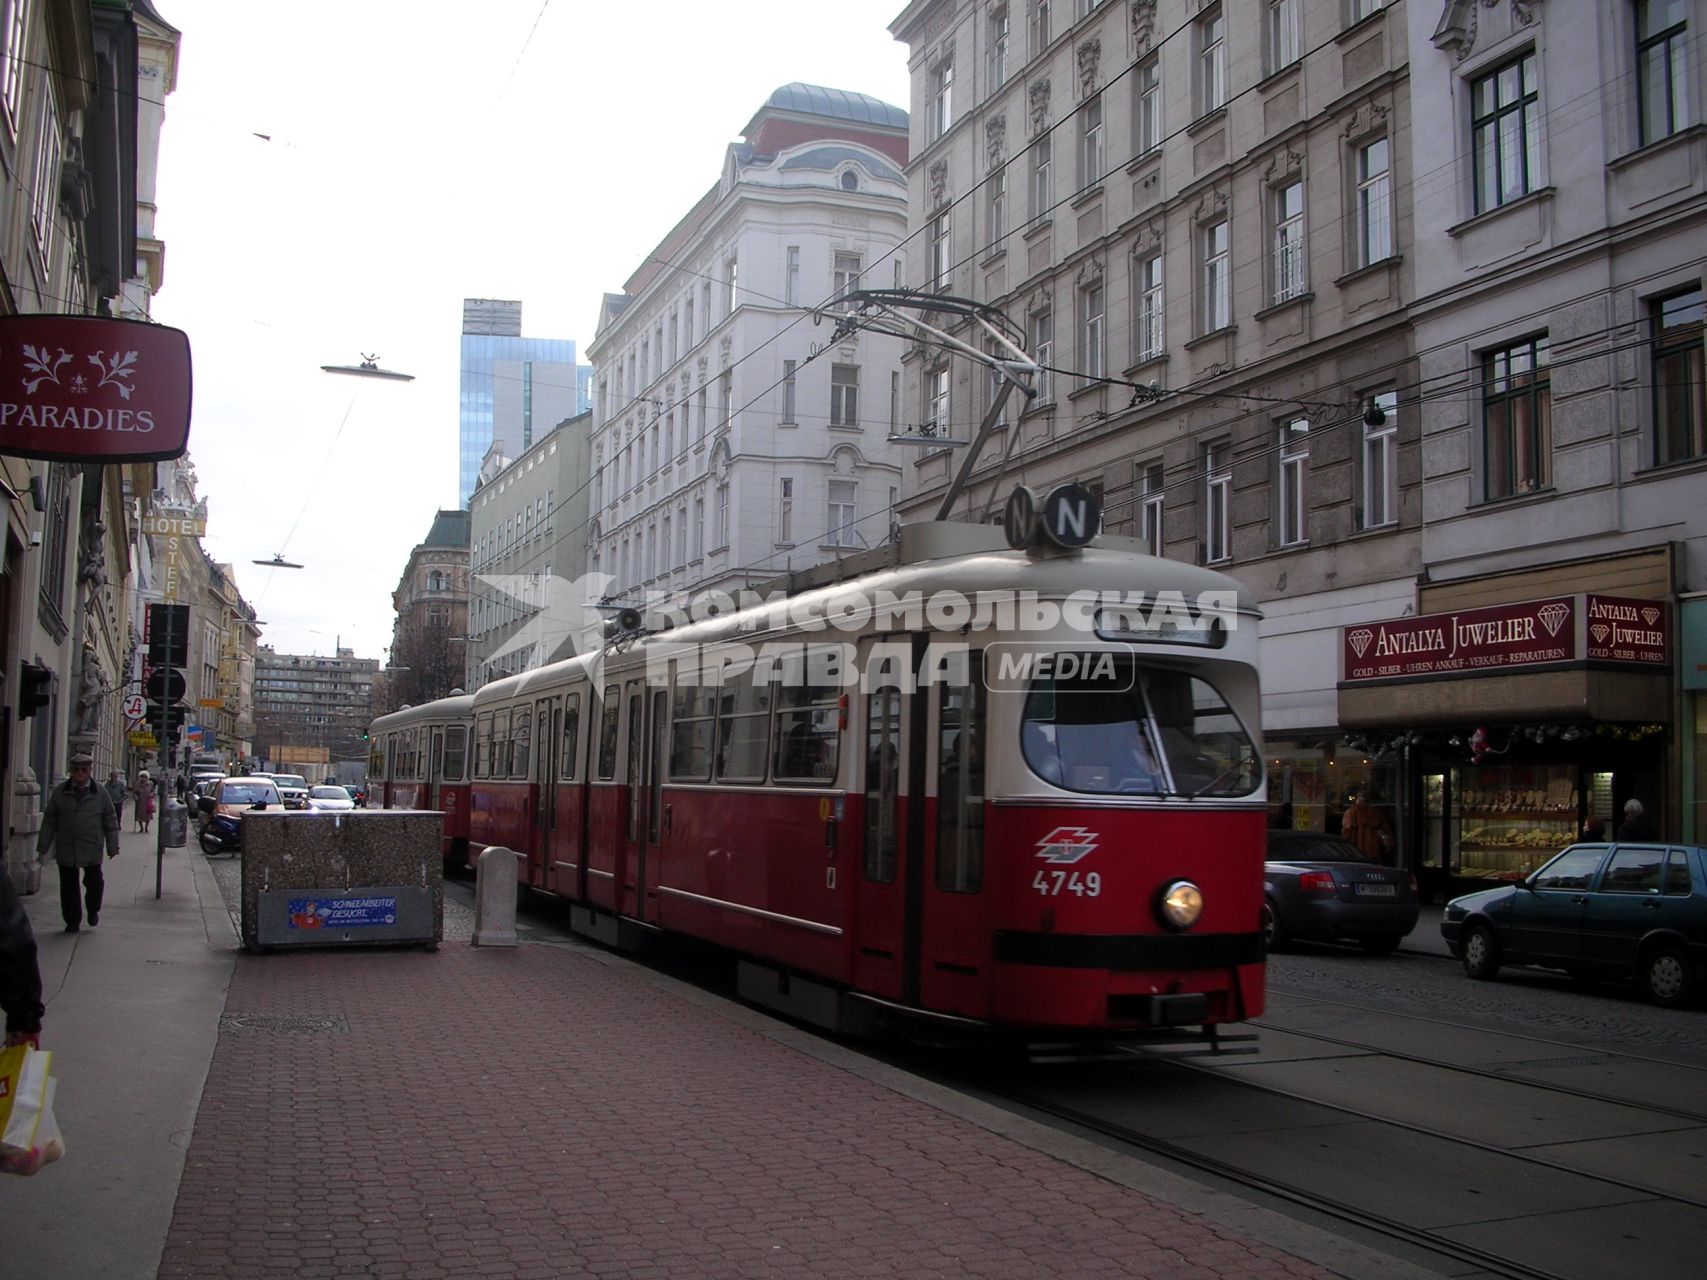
(418,759)
(987,789)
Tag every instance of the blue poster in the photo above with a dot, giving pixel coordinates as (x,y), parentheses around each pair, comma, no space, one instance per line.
(341,913)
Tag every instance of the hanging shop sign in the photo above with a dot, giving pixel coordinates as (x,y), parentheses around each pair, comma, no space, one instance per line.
(1502,637)
(1624,630)
(93,389)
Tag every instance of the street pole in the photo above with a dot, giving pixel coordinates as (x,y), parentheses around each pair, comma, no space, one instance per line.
(160,801)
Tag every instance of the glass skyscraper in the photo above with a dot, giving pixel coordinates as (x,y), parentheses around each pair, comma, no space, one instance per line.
(514,389)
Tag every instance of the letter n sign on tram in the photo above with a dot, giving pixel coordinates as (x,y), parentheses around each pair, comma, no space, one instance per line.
(1071,515)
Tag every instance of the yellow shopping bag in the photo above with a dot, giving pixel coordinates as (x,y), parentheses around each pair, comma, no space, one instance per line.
(29,1134)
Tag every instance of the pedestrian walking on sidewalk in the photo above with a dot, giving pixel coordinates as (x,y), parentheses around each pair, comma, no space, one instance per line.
(117,793)
(20,975)
(76,822)
(1636,825)
(144,793)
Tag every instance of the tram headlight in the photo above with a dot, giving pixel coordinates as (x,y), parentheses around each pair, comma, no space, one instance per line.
(1180,905)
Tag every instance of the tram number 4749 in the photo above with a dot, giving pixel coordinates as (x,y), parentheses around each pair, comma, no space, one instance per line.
(1052,884)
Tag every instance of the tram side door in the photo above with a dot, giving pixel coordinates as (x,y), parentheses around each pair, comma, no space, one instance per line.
(887,879)
(954,955)
(655,814)
(548,729)
(435,766)
(631,875)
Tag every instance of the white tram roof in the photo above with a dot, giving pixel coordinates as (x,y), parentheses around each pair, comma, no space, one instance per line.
(972,559)
(458,707)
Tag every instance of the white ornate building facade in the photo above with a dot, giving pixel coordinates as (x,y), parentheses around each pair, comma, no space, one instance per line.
(733,440)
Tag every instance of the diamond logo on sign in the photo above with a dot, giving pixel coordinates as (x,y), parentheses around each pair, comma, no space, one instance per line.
(1600,631)
(1359,640)
(1553,616)
(1650,616)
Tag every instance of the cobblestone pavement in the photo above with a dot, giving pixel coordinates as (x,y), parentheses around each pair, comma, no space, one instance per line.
(550,1111)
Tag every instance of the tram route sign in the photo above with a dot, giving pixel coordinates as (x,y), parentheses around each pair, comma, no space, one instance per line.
(1019,518)
(1071,516)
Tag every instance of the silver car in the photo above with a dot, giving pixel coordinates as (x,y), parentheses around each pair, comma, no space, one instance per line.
(1323,887)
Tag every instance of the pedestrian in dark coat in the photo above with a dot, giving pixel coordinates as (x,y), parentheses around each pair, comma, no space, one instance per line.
(1636,825)
(76,822)
(117,791)
(20,976)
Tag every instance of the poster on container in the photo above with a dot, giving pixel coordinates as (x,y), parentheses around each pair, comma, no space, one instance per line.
(93,389)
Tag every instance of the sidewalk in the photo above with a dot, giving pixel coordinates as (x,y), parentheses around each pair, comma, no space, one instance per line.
(543,1111)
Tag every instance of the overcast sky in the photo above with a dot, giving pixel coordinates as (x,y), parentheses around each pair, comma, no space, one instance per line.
(336,177)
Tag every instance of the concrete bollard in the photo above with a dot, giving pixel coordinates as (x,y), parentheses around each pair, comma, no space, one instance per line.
(495,897)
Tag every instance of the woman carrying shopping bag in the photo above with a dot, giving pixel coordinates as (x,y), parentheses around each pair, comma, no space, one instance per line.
(144,793)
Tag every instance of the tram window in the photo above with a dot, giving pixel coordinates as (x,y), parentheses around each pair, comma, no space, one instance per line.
(607,734)
(808,717)
(483,746)
(691,724)
(521,739)
(882,782)
(635,745)
(960,781)
(1208,750)
(743,730)
(456,752)
(376,756)
(571,733)
(501,743)
(1134,731)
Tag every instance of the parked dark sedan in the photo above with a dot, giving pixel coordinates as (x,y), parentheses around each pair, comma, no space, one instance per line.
(1320,886)
(1618,911)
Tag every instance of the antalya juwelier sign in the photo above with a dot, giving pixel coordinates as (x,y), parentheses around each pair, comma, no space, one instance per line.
(1506,636)
(93,389)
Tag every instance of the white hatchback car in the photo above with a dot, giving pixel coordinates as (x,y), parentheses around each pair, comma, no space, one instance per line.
(329,799)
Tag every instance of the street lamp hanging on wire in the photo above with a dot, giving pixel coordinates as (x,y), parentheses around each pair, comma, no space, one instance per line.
(368,368)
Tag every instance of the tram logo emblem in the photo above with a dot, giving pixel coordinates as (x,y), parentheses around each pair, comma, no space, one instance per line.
(1359,640)
(1067,844)
(1553,616)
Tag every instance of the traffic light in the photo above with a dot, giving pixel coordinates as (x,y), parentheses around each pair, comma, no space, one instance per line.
(33,685)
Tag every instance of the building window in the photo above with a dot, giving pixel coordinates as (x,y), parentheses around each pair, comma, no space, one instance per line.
(791,277)
(50,151)
(1217,502)
(1680,382)
(1292,487)
(1147,111)
(704,395)
(936,400)
(845,277)
(788,391)
(1043,352)
(939,251)
(941,116)
(723,514)
(785,511)
(1211,61)
(687,320)
(997,186)
(1505,132)
(1374,206)
(998,48)
(1662,54)
(1217,276)
(698,527)
(1380,460)
(726,409)
(1039,24)
(1090,332)
(843,514)
(1041,195)
(1151,489)
(732,285)
(1288,203)
(1090,142)
(1283,35)
(1517,423)
(894,401)
(1358,10)
(844,395)
(12,63)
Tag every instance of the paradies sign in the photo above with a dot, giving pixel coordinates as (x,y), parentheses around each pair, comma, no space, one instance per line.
(93,389)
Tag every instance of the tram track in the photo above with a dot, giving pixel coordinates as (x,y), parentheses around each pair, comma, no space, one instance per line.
(1513,1073)
(1377,1225)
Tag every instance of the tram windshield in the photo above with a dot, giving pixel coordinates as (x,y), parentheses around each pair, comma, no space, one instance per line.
(1162,733)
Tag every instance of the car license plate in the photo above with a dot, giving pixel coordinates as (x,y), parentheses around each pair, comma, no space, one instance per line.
(1376,890)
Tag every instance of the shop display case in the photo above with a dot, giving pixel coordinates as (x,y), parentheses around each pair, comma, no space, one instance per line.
(1509,819)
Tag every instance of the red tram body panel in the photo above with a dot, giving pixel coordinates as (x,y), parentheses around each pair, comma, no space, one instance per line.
(992,841)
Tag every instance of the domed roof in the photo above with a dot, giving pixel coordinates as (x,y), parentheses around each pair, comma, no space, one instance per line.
(838,104)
